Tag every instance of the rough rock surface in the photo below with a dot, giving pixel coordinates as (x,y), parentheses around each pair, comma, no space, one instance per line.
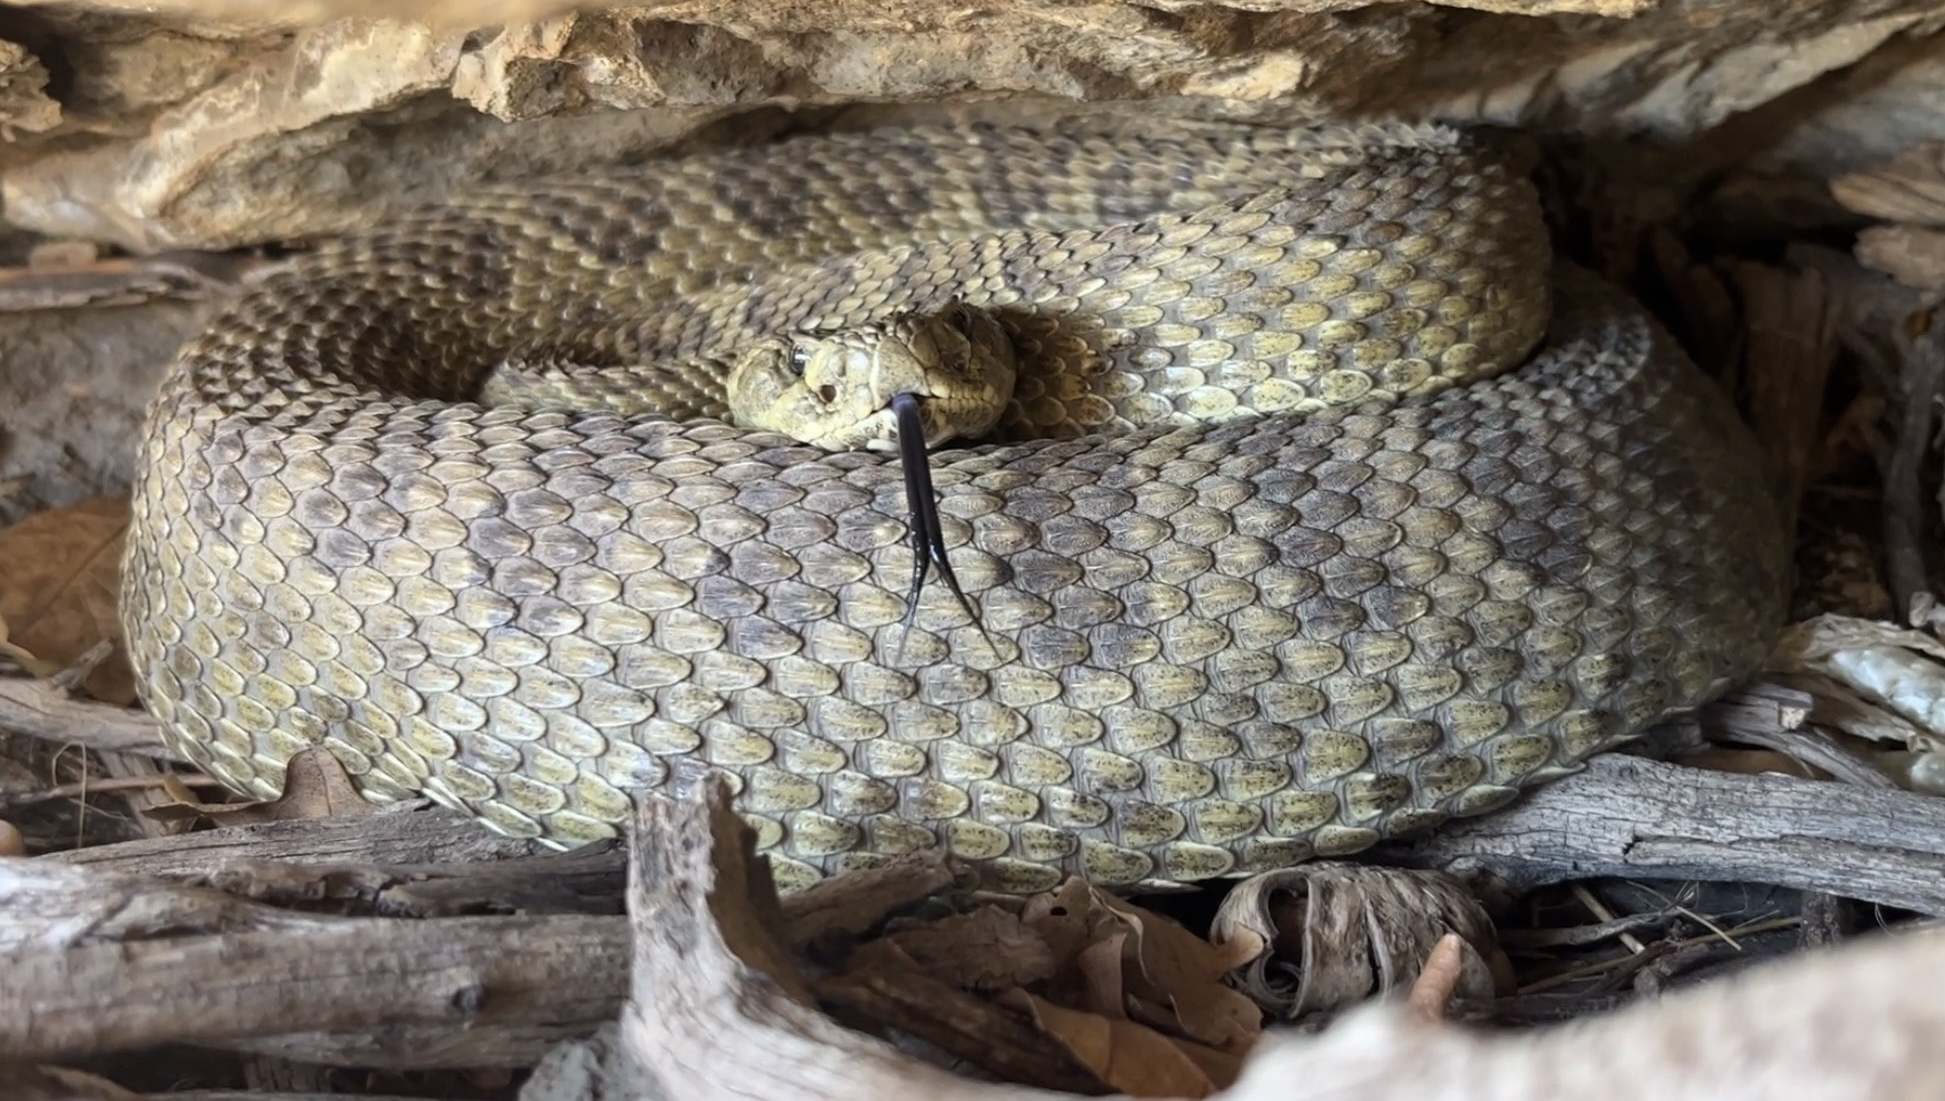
(213,123)
(74,385)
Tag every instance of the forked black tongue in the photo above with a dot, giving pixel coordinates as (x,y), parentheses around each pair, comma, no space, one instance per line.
(928,537)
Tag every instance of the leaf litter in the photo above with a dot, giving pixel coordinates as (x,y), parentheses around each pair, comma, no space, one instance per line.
(60,593)
(315,786)
(1152,1009)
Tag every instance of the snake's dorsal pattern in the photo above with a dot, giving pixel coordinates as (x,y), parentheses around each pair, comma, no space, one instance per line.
(1279,558)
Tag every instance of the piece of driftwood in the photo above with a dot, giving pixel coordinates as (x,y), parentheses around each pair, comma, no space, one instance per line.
(1630,816)
(450,965)
(718,1010)
(431,836)
(561,883)
(96,962)
(1775,717)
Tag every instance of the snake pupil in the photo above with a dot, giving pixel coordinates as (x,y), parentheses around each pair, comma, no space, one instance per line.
(799,359)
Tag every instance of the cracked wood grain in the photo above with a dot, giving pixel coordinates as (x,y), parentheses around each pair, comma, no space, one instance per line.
(1630,816)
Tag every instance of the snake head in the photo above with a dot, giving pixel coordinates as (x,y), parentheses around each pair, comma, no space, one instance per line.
(833,388)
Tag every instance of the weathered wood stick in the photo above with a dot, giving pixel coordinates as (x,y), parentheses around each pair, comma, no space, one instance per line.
(717,1011)
(1625,816)
(97,963)
(1630,816)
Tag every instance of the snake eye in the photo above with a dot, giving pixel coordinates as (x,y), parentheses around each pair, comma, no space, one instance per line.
(799,359)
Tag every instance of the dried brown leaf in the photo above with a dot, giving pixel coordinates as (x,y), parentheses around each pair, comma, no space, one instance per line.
(1120,960)
(1128,1056)
(1177,969)
(984,950)
(17,654)
(1099,966)
(60,592)
(315,786)
(1063,918)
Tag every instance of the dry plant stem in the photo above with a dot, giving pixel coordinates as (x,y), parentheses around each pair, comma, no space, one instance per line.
(1594,906)
(84,788)
(1633,817)
(121,282)
(120,765)
(140,780)
(42,709)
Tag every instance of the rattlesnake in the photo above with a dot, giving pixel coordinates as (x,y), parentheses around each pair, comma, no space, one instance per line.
(1327,506)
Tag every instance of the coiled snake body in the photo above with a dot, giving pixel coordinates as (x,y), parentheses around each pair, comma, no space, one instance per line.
(1325,507)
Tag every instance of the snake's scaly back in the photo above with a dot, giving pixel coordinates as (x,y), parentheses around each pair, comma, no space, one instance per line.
(1281,558)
